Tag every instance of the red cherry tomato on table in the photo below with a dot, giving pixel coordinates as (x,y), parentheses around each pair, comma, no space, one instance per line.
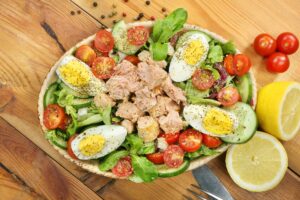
(103,67)
(69,147)
(190,140)
(278,63)
(203,79)
(123,168)
(137,35)
(238,64)
(228,96)
(287,43)
(210,141)
(54,116)
(133,59)
(86,54)
(170,138)
(264,44)
(173,156)
(104,41)
(156,158)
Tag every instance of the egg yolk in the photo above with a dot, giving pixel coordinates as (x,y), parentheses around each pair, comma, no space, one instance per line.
(217,122)
(193,52)
(91,144)
(75,73)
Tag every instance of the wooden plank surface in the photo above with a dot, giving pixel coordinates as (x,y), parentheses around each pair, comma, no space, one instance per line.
(34,34)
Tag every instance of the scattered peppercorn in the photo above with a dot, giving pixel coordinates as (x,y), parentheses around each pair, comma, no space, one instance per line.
(113,13)
(114,6)
(114,21)
(125,1)
(152,18)
(95,4)
(78,12)
(163,9)
(124,14)
(140,16)
(102,16)
(148,3)
(72,12)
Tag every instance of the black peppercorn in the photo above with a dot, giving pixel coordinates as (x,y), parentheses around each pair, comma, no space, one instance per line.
(95,4)
(78,12)
(164,9)
(102,16)
(72,12)
(148,3)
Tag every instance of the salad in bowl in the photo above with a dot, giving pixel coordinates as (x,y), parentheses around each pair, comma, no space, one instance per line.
(148,99)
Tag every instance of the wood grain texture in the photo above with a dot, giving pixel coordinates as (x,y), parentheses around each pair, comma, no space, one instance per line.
(37,170)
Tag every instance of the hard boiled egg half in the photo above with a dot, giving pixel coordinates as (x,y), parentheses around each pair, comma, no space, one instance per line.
(98,141)
(210,120)
(78,76)
(188,56)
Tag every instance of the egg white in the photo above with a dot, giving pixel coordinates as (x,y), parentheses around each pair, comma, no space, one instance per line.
(94,86)
(179,70)
(114,136)
(194,115)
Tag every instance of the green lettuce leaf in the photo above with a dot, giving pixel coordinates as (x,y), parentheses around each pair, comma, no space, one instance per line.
(111,160)
(143,168)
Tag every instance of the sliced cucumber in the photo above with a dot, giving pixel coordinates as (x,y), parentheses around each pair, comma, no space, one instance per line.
(56,140)
(119,33)
(188,34)
(91,120)
(164,171)
(244,86)
(73,92)
(206,101)
(247,123)
(49,97)
(81,103)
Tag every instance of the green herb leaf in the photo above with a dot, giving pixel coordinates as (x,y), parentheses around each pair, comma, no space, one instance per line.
(147,148)
(228,48)
(135,142)
(106,115)
(159,51)
(215,54)
(203,151)
(143,168)
(111,160)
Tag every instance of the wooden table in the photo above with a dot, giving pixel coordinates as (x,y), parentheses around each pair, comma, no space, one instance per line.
(35,33)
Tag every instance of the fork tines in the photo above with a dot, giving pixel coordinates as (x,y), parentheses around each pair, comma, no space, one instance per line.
(199,196)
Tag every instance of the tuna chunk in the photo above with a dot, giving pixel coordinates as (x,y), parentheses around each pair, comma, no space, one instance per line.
(148,128)
(152,75)
(145,56)
(145,99)
(171,123)
(118,87)
(128,111)
(174,92)
(163,106)
(128,125)
(125,67)
(102,100)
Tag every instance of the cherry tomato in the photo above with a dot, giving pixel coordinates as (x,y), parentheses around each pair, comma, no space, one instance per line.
(287,43)
(278,63)
(173,156)
(228,96)
(103,67)
(123,168)
(170,138)
(156,158)
(264,44)
(69,147)
(137,35)
(203,79)
(86,54)
(54,116)
(63,126)
(241,64)
(228,64)
(190,140)
(104,41)
(210,141)
(175,37)
(133,59)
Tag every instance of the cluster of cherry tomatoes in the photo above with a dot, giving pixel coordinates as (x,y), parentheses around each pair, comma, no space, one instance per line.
(277,50)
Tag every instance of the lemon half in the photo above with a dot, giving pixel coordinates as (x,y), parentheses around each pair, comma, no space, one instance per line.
(278,109)
(258,165)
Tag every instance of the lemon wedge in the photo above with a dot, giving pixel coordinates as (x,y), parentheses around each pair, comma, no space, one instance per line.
(278,109)
(258,165)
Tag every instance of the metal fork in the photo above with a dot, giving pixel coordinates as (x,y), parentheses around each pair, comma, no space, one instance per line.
(199,196)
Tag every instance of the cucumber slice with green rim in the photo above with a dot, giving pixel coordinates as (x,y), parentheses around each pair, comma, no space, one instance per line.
(56,140)
(244,86)
(119,33)
(81,103)
(207,101)
(49,97)
(73,92)
(247,123)
(186,35)
(164,171)
(91,120)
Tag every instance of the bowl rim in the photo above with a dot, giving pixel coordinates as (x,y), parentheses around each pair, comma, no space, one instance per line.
(92,165)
